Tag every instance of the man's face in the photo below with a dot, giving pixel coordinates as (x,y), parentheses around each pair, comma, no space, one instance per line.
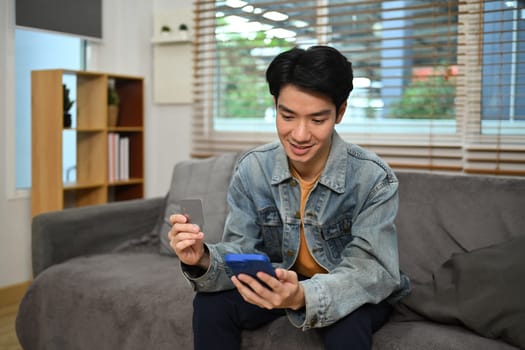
(305,122)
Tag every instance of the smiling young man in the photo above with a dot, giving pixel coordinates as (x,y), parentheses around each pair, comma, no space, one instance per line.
(320,208)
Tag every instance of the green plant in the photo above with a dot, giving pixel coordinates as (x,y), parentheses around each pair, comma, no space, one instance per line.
(113,97)
(165,29)
(68,103)
(183,27)
(430,98)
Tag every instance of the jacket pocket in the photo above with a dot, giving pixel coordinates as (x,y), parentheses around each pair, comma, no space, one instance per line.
(336,236)
(272,232)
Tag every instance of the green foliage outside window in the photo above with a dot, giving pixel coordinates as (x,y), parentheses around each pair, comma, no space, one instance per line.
(242,90)
(428,98)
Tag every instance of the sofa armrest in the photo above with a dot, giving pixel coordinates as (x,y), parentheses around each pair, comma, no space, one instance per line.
(61,235)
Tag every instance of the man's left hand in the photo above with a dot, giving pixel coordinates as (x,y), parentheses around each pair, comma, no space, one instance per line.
(283,292)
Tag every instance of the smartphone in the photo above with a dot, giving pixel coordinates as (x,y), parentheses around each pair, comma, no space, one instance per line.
(192,209)
(249,264)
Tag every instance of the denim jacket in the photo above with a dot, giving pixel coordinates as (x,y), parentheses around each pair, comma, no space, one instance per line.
(348,224)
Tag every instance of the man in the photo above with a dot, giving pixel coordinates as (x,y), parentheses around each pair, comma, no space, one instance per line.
(321,209)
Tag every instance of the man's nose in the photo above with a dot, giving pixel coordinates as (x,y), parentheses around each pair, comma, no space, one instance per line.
(301,132)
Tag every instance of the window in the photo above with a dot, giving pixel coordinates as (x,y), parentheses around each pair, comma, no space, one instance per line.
(40,50)
(426,75)
(503,107)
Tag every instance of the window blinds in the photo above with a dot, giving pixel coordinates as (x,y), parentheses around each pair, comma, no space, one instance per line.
(438,84)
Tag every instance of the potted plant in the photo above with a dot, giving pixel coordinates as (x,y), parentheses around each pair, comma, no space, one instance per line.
(183,31)
(165,30)
(68,103)
(113,105)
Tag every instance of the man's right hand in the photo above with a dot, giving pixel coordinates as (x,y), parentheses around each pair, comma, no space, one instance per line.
(187,241)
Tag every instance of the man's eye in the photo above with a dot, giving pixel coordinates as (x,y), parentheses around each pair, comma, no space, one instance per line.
(287,117)
(317,121)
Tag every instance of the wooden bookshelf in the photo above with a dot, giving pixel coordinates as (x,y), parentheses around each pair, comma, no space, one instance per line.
(92,186)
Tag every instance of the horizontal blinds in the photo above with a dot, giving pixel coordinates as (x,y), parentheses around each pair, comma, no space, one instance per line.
(420,67)
(493,96)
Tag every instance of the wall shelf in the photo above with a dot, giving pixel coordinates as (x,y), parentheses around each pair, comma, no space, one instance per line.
(172,39)
(173,58)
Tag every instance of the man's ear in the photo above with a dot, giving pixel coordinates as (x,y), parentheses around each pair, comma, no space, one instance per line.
(341,112)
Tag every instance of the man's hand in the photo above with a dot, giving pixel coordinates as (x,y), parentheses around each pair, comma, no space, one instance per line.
(186,240)
(285,291)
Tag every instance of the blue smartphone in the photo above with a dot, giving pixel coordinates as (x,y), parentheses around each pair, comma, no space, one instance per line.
(249,264)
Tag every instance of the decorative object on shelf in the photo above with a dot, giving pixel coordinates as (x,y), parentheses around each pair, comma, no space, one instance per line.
(68,103)
(183,31)
(165,30)
(113,104)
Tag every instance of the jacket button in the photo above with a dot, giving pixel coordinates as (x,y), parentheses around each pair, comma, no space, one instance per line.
(293,183)
(290,253)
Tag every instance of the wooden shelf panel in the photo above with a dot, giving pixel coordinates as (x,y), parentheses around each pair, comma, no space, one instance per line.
(131,111)
(91,157)
(74,186)
(85,197)
(91,101)
(132,181)
(126,129)
(126,192)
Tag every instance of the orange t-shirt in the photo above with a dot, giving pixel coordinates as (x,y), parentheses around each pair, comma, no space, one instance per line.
(305,263)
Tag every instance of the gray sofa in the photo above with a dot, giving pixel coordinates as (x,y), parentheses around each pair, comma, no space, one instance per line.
(105,279)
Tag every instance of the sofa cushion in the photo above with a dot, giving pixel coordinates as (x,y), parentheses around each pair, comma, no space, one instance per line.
(482,290)
(440,214)
(204,179)
(426,335)
(108,301)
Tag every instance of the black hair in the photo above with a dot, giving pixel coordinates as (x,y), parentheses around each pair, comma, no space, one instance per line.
(320,69)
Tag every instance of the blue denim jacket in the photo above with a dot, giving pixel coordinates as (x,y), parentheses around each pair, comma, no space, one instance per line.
(348,224)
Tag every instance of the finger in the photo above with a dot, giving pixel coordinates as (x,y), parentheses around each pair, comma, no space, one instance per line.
(286,275)
(178,218)
(248,294)
(269,280)
(186,228)
(182,236)
(179,229)
(260,291)
(183,245)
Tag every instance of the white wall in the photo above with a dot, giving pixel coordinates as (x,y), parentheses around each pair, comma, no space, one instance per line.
(125,49)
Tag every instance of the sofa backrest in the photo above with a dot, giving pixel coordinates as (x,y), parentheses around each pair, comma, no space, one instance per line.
(441,214)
